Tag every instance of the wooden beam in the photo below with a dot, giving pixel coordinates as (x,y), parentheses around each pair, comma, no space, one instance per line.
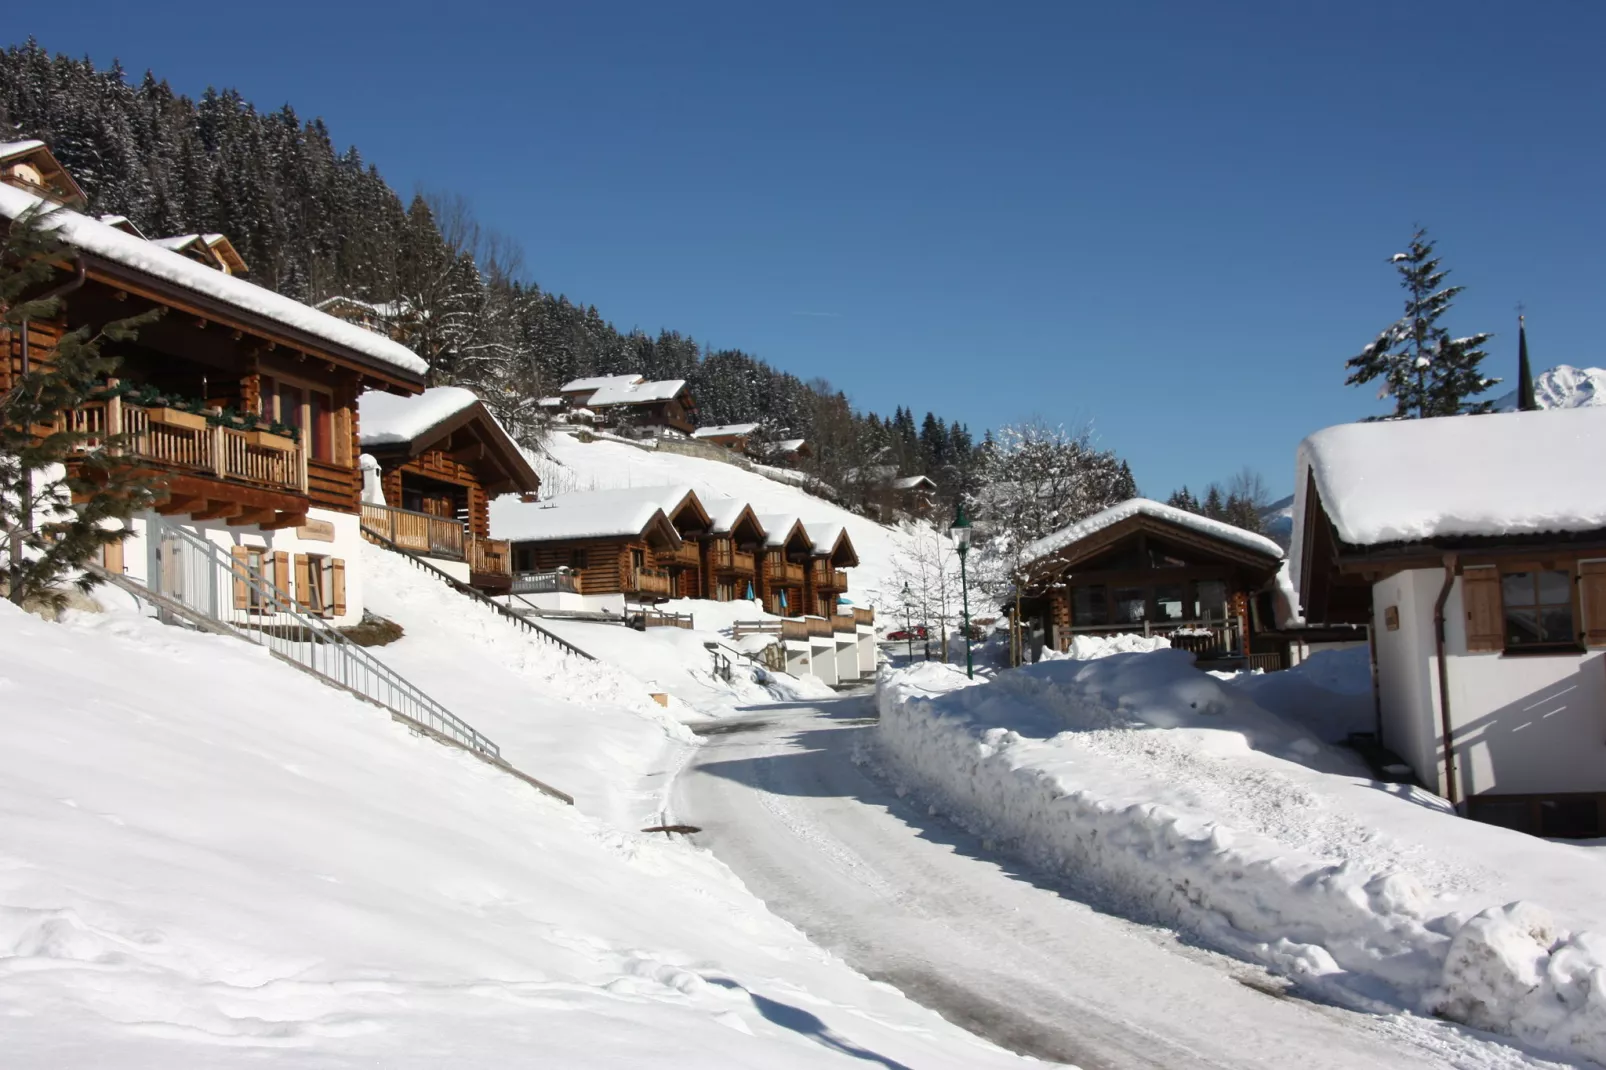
(285,520)
(247,517)
(178,504)
(218,509)
(474,451)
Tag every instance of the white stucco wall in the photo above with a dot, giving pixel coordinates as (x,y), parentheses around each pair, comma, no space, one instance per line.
(1523,724)
(346,545)
(868,653)
(822,658)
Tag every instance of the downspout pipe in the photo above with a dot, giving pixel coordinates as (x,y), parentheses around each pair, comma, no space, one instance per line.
(1451,569)
(60,291)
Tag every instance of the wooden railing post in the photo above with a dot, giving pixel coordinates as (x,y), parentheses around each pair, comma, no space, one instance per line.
(220,450)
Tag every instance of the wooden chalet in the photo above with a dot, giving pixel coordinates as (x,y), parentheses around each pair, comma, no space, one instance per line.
(442,457)
(826,579)
(393,319)
(630,400)
(731,550)
(783,569)
(735,437)
(239,402)
(608,541)
(210,250)
(684,563)
(1147,568)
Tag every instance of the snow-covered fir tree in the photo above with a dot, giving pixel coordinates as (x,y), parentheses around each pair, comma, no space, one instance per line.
(1425,370)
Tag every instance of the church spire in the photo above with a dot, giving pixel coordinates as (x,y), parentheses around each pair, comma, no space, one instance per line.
(1525,380)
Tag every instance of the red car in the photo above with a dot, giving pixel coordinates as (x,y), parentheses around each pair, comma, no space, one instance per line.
(903,634)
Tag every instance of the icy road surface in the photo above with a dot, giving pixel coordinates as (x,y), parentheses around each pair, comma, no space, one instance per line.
(910,900)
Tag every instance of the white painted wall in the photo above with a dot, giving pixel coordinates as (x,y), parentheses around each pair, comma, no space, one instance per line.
(346,545)
(822,658)
(847,658)
(798,661)
(868,652)
(1523,724)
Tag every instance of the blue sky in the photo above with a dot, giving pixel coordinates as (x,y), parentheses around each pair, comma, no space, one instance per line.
(1169,219)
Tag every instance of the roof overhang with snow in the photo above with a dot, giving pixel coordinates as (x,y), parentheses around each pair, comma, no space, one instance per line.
(452,419)
(1377,498)
(20,161)
(144,269)
(1053,554)
(782,531)
(831,541)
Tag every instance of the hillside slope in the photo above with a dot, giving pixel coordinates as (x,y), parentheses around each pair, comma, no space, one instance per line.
(604,464)
(1562,387)
(211,860)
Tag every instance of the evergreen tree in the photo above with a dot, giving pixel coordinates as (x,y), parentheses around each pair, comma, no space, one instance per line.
(1214,506)
(1424,369)
(54,516)
(1184,499)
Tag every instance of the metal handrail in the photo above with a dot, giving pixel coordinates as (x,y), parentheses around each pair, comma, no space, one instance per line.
(469,592)
(197,574)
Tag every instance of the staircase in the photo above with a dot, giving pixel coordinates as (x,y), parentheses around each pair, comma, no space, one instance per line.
(380,538)
(193,582)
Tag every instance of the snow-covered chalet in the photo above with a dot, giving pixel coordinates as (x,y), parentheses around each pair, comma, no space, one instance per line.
(1475,548)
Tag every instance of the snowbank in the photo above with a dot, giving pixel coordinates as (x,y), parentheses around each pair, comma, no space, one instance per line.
(1174,797)
(1088,647)
(254,870)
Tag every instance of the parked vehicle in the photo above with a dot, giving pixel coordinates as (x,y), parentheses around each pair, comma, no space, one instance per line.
(903,634)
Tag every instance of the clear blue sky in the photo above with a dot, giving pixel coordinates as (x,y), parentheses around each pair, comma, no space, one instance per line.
(1171,219)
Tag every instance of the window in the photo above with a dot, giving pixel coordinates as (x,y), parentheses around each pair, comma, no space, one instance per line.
(1168,603)
(1088,606)
(1131,605)
(1538,609)
(577,559)
(311,412)
(1210,602)
(320,424)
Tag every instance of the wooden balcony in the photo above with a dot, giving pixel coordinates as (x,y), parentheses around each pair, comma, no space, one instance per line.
(778,570)
(795,629)
(437,536)
(839,580)
(865,616)
(687,555)
(819,627)
(180,441)
(726,558)
(651,581)
(844,624)
(554,582)
(491,557)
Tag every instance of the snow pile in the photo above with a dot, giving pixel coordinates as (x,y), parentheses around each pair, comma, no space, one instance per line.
(1087,647)
(1173,797)
(255,870)
(1409,480)
(1563,387)
(98,239)
(1329,693)
(1080,530)
(388,418)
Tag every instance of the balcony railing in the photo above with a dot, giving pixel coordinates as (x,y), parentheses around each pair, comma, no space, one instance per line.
(1205,638)
(174,438)
(844,623)
(819,627)
(726,558)
(422,533)
(863,615)
(787,629)
(779,570)
(651,581)
(684,556)
(558,581)
(488,555)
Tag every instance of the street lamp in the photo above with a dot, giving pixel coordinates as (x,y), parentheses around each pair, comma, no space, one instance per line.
(960,532)
(908,622)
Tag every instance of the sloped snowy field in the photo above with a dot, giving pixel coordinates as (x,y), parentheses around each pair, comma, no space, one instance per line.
(604,464)
(1176,798)
(210,860)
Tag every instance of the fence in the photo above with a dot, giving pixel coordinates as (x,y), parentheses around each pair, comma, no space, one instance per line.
(652,618)
(488,555)
(558,581)
(196,574)
(791,628)
(420,533)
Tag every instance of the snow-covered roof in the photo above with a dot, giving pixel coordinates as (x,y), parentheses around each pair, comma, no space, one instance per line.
(595,382)
(1512,473)
(9,149)
(178,241)
(592,514)
(722,430)
(553,402)
(790,445)
(636,393)
(387,419)
(777,526)
(1080,530)
(911,482)
(723,513)
(99,239)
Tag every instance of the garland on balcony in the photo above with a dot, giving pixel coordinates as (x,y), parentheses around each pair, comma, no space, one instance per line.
(152,397)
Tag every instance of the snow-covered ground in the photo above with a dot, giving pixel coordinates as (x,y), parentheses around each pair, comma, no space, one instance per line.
(210,860)
(1178,797)
(605,464)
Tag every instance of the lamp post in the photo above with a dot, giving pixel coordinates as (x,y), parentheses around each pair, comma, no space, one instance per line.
(908,623)
(960,531)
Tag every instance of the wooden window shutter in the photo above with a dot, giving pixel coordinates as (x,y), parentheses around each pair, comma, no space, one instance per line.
(1592,590)
(1486,625)
(242,572)
(281,576)
(337,584)
(303,582)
